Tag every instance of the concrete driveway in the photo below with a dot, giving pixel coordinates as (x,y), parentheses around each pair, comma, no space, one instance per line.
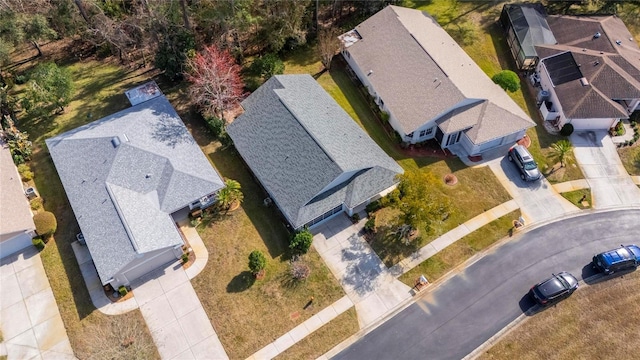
(368,283)
(29,318)
(610,184)
(538,200)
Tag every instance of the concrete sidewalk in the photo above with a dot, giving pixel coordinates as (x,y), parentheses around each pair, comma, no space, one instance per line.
(29,318)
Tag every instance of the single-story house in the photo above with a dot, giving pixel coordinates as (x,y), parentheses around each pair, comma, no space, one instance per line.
(125,176)
(587,70)
(309,155)
(591,78)
(16,220)
(429,86)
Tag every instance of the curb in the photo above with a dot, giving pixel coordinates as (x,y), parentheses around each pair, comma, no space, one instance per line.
(512,326)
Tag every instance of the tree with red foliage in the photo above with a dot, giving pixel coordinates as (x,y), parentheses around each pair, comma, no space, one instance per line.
(216,85)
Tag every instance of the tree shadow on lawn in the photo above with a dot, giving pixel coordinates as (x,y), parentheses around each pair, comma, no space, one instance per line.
(268,224)
(390,249)
(241,282)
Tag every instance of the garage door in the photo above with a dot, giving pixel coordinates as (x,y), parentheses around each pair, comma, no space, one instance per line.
(148,264)
(15,244)
(592,124)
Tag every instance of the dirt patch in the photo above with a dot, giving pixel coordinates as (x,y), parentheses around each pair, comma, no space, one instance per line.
(450,179)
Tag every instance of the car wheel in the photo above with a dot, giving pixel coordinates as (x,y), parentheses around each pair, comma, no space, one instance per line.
(510,158)
(522,176)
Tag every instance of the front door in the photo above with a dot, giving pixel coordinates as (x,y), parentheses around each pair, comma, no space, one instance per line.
(453,138)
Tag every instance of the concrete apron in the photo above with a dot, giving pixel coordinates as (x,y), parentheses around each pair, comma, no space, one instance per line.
(611,185)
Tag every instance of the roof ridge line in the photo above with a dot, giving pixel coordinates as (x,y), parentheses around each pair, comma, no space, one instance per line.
(295,116)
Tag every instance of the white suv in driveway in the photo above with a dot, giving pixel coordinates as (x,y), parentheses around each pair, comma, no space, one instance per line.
(528,168)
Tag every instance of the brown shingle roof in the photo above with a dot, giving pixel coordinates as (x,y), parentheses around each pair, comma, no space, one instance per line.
(610,62)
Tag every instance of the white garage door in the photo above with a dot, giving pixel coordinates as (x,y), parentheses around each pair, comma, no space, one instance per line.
(592,124)
(15,244)
(150,264)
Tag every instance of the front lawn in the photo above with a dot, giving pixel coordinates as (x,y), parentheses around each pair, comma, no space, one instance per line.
(630,157)
(463,249)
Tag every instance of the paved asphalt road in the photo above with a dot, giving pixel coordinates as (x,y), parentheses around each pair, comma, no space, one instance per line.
(461,314)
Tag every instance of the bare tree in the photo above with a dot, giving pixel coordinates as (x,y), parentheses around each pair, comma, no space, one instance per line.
(328,45)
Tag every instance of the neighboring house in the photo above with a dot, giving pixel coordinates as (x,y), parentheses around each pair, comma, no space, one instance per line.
(429,86)
(310,156)
(16,220)
(125,176)
(526,26)
(591,76)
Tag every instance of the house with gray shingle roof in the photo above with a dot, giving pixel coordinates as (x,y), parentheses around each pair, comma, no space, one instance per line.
(429,86)
(591,77)
(309,155)
(125,176)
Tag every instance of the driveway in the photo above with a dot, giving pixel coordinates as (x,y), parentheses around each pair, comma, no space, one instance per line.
(611,185)
(368,283)
(452,320)
(538,200)
(176,319)
(29,318)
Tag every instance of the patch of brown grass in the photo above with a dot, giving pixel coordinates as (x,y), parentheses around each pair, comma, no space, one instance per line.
(630,157)
(323,339)
(597,322)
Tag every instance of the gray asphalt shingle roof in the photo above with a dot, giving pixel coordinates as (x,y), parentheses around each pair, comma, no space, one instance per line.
(123,195)
(421,73)
(300,144)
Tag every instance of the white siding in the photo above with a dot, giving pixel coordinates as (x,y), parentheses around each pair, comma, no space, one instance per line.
(18,242)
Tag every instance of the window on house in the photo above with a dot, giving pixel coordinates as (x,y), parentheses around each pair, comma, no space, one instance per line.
(426,132)
(410,135)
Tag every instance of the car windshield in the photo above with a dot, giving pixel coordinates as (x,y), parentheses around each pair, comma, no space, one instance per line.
(531,165)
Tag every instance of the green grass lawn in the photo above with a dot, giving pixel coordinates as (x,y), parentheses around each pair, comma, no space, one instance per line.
(463,249)
(576,197)
(96,83)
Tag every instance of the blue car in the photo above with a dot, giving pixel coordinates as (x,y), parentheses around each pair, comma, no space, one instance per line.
(626,257)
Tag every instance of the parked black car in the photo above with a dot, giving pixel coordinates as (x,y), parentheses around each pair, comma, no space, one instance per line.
(523,160)
(626,257)
(554,289)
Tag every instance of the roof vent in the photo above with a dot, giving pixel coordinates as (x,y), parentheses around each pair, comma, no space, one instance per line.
(595,63)
(370,72)
(583,49)
(584,81)
(597,35)
(618,42)
(115,141)
(147,176)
